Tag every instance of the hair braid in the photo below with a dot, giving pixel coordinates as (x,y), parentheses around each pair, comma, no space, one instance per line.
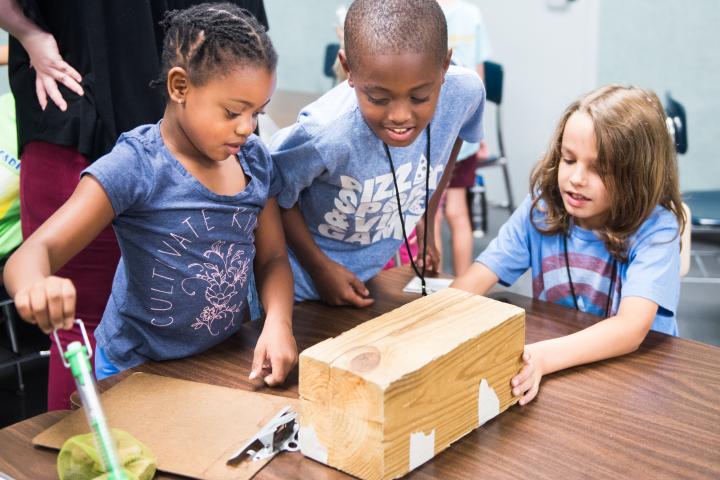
(213,37)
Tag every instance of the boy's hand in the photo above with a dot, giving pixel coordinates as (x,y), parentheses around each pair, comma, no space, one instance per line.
(50,304)
(275,353)
(339,286)
(432,255)
(527,382)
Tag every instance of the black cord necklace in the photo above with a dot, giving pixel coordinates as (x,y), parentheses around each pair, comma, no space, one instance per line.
(572,287)
(419,273)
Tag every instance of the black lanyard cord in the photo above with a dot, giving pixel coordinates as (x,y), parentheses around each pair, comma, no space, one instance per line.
(419,273)
(572,287)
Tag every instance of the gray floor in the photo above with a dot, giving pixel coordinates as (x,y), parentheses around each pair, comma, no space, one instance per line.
(697,315)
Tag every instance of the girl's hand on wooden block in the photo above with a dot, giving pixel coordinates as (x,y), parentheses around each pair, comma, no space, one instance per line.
(50,303)
(527,382)
(339,286)
(275,353)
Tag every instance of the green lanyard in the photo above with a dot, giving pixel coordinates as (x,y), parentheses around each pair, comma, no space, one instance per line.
(78,361)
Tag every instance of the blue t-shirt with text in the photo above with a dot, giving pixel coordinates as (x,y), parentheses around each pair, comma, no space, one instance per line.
(335,168)
(187,252)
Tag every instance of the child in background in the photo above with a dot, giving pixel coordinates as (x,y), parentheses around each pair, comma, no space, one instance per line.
(10,231)
(601,232)
(189,199)
(360,163)
(470,45)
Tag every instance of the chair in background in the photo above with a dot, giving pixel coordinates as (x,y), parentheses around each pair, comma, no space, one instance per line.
(331,52)
(9,316)
(704,205)
(494,76)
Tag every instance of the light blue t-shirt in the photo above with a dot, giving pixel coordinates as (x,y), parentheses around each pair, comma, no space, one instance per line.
(187,252)
(335,168)
(652,269)
(470,43)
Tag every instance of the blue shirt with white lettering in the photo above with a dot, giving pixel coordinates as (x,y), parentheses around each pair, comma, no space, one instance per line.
(652,269)
(335,168)
(187,252)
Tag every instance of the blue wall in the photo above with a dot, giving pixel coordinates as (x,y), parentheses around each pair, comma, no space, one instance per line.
(668,45)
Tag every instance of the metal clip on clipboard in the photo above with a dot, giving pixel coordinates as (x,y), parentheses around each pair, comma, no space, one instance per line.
(278,435)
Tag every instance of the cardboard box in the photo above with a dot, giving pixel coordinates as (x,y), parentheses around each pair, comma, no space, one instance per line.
(191,428)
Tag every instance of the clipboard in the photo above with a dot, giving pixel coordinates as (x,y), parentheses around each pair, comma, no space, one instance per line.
(191,428)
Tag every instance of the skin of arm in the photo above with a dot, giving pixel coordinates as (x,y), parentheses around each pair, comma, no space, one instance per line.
(50,68)
(335,284)
(276,350)
(433,254)
(481,71)
(612,337)
(478,279)
(40,297)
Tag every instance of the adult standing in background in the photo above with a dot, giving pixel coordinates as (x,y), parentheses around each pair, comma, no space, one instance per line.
(80,71)
(468,38)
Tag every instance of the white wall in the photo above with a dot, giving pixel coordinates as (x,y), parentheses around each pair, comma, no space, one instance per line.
(668,45)
(300,30)
(549,57)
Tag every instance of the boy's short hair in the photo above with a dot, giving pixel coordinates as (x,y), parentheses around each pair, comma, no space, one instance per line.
(381,27)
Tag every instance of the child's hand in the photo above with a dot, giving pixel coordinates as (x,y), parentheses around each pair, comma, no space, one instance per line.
(432,255)
(50,304)
(275,353)
(527,382)
(339,286)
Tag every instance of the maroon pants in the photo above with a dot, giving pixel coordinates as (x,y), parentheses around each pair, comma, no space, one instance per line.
(48,177)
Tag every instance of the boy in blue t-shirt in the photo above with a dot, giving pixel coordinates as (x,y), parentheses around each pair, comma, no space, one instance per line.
(362,149)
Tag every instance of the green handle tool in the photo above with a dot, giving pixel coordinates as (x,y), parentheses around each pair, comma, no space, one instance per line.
(77,359)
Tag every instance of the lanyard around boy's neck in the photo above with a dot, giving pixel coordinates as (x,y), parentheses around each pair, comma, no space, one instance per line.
(418,272)
(608,305)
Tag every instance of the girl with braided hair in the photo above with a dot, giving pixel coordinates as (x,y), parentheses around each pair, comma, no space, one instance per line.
(190,200)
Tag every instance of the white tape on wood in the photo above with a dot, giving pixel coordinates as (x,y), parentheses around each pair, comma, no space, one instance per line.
(422,448)
(488,402)
(310,445)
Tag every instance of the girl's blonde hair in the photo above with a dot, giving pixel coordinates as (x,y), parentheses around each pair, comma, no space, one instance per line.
(636,161)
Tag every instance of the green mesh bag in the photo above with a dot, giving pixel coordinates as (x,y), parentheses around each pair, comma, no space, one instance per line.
(79,459)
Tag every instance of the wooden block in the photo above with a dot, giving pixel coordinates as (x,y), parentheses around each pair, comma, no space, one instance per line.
(388,395)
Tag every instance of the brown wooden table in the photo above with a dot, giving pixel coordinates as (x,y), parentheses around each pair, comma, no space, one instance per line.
(651,414)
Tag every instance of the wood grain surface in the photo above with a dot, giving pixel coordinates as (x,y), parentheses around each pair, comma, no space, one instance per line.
(414,372)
